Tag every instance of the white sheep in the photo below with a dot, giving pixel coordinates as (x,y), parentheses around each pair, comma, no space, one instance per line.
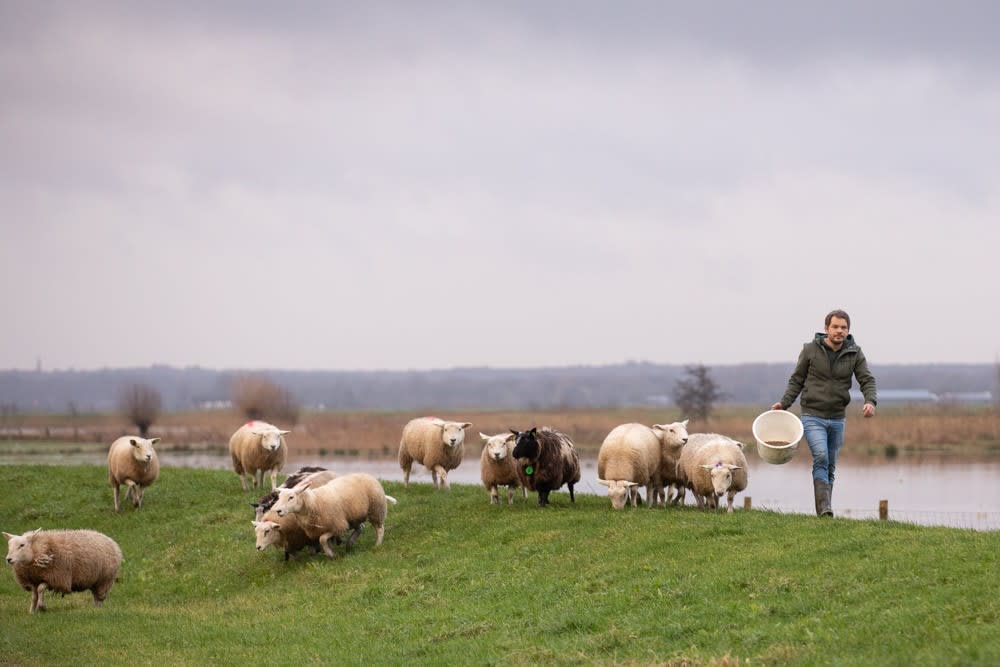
(132,461)
(712,465)
(436,444)
(63,561)
(311,476)
(497,467)
(628,458)
(257,447)
(328,511)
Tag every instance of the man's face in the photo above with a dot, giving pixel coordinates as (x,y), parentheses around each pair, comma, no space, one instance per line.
(837,330)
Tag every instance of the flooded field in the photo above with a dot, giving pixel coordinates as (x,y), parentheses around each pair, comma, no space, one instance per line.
(932,491)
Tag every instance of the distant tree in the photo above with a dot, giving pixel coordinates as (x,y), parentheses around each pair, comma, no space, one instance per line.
(140,404)
(696,393)
(261,398)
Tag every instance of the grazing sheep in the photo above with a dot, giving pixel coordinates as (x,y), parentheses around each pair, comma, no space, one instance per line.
(545,460)
(257,447)
(63,561)
(436,444)
(132,461)
(711,465)
(630,453)
(315,475)
(496,466)
(283,532)
(673,438)
(329,510)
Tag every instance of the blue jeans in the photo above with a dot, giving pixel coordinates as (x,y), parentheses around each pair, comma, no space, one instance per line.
(825,437)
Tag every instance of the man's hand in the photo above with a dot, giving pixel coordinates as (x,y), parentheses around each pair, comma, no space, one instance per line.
(868,410)
(776,406)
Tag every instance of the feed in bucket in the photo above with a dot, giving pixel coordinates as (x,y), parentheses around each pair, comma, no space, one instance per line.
(778,433)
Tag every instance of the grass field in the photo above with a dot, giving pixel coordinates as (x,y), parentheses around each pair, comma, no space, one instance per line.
(458,581)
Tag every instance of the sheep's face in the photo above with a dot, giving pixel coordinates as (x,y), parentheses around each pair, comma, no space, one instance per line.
(142,449)
(268,533)
(290,501)
(673,436)
(526,444)
(498,446)
(270,439)
(20,549)
(722,476)
(618,491)
(453,433)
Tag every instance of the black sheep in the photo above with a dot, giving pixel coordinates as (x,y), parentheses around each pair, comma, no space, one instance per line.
(261,506)
(546,459)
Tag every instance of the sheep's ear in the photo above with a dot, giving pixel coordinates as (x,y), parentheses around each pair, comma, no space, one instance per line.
(466,425)
(133,442)
(510,438)
(631,484)
(9,536)
(514,433)
(255,523)
(684,423)
(707,466)
(154,441)
(739,444)
(604,482)
(484,436)
(280,432)
(661,427)
(732,467)
(534,430)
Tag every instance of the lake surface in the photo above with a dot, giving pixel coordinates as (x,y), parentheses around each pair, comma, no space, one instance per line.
(962,495)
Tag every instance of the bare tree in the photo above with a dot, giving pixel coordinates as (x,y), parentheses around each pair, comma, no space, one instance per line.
(261,398)
(141,405)
(696,393)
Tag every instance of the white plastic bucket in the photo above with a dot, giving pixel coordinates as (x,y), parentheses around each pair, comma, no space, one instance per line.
(774,427)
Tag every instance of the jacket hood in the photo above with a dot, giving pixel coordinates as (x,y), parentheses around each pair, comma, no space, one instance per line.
(848,342)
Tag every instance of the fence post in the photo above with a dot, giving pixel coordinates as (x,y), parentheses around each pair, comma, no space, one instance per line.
(883,510)
(747,502)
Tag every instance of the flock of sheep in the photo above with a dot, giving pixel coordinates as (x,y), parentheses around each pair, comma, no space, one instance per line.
(316,508)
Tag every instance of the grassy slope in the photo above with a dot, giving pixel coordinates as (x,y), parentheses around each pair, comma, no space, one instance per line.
(461,582)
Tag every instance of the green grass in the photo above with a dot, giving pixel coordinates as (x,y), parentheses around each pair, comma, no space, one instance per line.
(458,581)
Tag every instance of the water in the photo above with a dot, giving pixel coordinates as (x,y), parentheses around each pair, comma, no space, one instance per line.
(962,495)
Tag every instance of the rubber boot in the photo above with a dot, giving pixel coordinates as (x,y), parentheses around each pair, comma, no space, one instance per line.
(822,490)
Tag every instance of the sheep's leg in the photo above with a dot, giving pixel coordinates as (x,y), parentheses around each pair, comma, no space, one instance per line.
(650,495)
(137,496)
(699,500)
(379,533)
(258,478)
(38,598)
(443,474)
(572,498)
(353,539)
(510,495)
(243,480)
(543,498)
(729,501)
(406,465)
(130,492)
(324,541)
(117,504)
(633,496)
(494,495)
(274,479)
(101,592)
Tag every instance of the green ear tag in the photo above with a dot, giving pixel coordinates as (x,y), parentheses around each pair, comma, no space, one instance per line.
(529,470)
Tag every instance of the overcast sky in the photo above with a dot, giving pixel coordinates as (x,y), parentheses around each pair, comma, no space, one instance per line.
(396,185)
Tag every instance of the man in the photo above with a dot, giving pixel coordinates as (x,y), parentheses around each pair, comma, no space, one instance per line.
(823,377)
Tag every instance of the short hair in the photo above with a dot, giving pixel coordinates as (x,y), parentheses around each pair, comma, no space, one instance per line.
(842,314)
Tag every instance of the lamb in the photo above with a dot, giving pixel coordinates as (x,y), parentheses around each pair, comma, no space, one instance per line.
(628,458)
(496,467)
(257,447)
(545,460)
(283,532)
(436,444)
(329,510)
(132,461)
(64,561)
(315,475)
(673,437)
(711,465)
